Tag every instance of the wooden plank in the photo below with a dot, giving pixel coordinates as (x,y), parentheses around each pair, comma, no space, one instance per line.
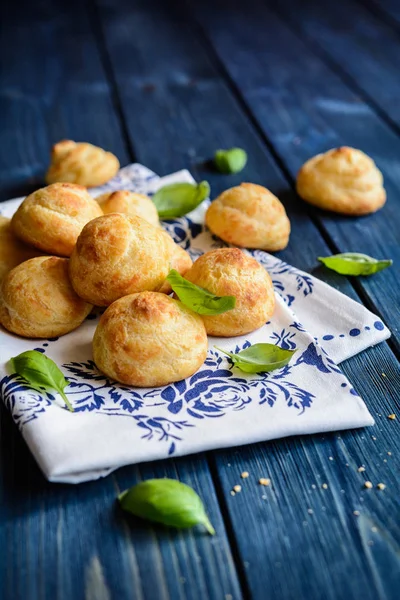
(57,93)
(368,52)
(305,108)
(174,97)
(388,10)
(71,542)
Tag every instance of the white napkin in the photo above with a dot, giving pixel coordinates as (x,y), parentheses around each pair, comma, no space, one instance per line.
(219,406)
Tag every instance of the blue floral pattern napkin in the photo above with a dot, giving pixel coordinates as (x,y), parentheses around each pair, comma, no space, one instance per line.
(219,406)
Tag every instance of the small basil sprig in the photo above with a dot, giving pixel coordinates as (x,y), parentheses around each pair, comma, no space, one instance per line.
(178,199)
(230,161)
(41,372)
(166,501)
(260,358)
(198,299)
(353,263)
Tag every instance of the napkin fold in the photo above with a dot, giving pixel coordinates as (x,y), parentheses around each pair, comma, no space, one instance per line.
(219,406)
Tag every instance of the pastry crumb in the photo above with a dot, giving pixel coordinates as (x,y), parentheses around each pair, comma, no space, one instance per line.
(237,488)
(392,417)
(233,493)
(244,475)
(361,469)
(264,481)
(381,486)
(368,485)
(356,513)
(325,486)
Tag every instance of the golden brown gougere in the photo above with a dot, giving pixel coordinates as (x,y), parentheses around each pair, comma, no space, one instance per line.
(37,299)
(52,218)
(117,255)
(230,272)
(249,216)
(149,340)
(12,250)
(342,180)
(131,204)
(81,163)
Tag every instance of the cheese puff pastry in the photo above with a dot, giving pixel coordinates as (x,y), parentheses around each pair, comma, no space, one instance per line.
(249,216)
(149,340)
(180,261)
(37,299)
(129,203)
(82,163)
(342,180)
(230,272)
(12,250)
(117,255)
(52,218)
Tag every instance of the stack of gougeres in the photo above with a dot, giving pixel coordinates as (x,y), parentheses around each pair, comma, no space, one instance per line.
(64,252)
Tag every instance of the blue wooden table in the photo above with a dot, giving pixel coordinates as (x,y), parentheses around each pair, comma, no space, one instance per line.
(167,83)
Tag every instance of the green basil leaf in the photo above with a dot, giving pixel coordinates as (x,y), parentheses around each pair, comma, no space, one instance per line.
(230,161)
(41,372)
(198,299)
(260,358)
(178,199)
(353,263)
(166,501)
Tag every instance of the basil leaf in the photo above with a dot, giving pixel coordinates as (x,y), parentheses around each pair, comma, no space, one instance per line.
(260,358)
(41,372)
(178,199)
(230,161)
(198,299)
(353,263)
(166,501)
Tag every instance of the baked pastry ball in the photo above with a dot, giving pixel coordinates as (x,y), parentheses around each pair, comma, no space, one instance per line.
(37,299)
(12,250)
(82,163)
(180,261)
(230,272)
(129,203)
(52,218)
(149,340)
(249,216)
(343,180)
(117,255)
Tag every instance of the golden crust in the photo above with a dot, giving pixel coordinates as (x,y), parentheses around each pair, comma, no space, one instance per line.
(82,163)
(12,251)
(52,218)
(230,272)
(249,216)
(117,255)
(37,299)
(180,261)
(131,204)
(343,180)
(149,340)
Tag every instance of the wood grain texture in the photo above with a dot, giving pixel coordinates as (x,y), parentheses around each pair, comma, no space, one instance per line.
(387,10)
(277,553)
(368,52)
(303,107)
(71,542)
